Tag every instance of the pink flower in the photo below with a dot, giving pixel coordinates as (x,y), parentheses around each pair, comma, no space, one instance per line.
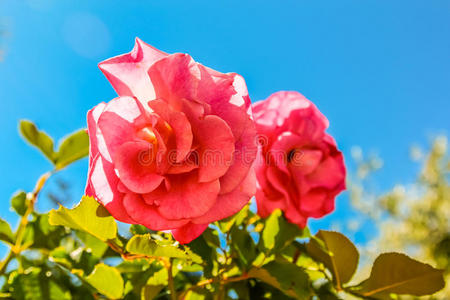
(174,151)
(299,169)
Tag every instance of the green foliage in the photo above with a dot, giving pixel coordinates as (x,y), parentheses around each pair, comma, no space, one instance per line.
(278,233)
(37,138)
(398,274)
(87,216)
(288,277)
(19,202)
(107,281)
(337,253)
(144,245)
(6,233)
(72,148)
(36,284)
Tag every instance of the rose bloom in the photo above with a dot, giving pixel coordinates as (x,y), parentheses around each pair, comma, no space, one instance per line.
(299,169)
(174,151)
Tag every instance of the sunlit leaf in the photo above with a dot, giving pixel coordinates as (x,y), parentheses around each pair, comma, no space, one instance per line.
(92,244)
(243,244)
(337,253)
(6,233)
(146,246)
(87,216)
(399,274)
(107,281)
(73,147)
(138,229)
(278,233)
(287,277)
(149,292)
(19,202)
(37,138)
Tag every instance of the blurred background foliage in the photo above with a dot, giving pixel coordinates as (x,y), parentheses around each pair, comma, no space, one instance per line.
(411,217)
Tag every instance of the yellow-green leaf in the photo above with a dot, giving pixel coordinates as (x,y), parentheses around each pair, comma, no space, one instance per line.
(278,233)
(107,281)
(87,216)
(72,148)
(337,253)
(6,233)
(37,138)
(19,202)
(285,276)
(149,292)
(399,274)
(145,245)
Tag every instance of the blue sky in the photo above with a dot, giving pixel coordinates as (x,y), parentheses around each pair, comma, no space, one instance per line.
(378,69)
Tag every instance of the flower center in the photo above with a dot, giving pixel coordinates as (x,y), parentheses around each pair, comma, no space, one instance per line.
(148,135)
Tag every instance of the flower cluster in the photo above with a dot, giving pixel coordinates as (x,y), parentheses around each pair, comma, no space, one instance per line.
(180,146)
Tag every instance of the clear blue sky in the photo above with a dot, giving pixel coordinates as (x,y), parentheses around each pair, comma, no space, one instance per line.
(378,69)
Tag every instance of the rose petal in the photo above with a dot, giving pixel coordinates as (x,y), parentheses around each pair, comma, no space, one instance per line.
(216,143)
(188,232)
(148,215)
(92,119)
(313,201)
(127,73)
(135,163)
(303,162)
(281,147)
(103,186)
(267,205)
(329,174)
(117,124)
(244,156)
(180,125)
(175,77)
(229,204)
(187,198)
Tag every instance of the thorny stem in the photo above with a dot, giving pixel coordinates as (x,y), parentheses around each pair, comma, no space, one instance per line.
(32,198)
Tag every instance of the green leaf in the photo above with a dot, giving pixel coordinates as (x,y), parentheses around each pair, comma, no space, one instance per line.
(37,138)
(33,284)
(133,266)
(207,252)
(19,202)
(199,294)
(40,234)
(92,244)
(285,276)
(337,253)
(243,244)
(107,281)
(146,246)
(149,292)
(72,148)
(138,229)
(156,282)
(399,274)
(237,219)
(87,216)
(211,237)
(278,233)
(6,233)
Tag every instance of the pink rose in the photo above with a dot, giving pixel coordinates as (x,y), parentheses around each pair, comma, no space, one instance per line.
(174,151)
(299,169)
